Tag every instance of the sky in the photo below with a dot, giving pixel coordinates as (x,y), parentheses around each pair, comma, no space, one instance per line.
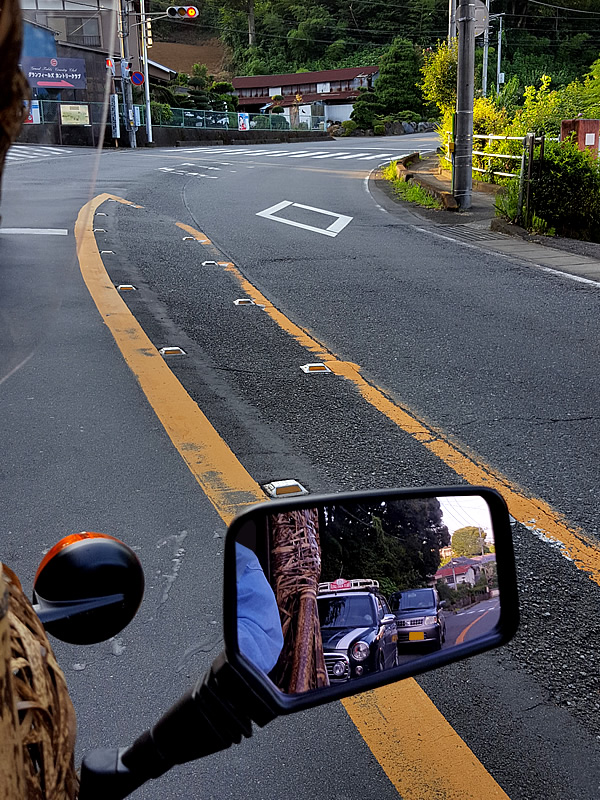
(459,512)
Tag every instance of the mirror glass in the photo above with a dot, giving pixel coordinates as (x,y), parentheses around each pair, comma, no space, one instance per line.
(334,593)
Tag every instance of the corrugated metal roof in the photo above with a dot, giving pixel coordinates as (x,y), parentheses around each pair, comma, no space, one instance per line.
(309,97)
(294,78)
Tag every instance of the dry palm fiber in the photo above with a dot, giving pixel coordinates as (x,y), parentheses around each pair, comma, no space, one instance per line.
(13,86)
(46,715)
(296,567)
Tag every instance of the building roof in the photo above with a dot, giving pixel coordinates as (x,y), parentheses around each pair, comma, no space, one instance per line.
(294,78)
(447,572)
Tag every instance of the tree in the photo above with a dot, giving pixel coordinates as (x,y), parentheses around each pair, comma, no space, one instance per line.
(396,86)
(366,107)
(198,87)
(469,541)
(438,83)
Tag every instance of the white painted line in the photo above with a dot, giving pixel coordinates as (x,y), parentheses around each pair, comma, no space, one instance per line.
(293,153)
(354,155)
(375,155)
(341,220)
(25,155)
(334,154)
(309,154)
(37,231)
(268,153)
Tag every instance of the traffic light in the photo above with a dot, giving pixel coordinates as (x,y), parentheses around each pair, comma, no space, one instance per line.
(126,67)
(182,12)
(148,33)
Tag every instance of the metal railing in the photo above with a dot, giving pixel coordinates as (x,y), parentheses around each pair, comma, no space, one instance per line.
(187,118)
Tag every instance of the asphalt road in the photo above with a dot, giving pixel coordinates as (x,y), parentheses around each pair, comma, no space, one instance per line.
(497,354)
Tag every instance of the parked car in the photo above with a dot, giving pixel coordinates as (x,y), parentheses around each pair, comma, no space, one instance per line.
(358,630)
(419,617)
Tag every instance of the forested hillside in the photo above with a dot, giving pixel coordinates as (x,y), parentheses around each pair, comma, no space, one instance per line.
(289,36)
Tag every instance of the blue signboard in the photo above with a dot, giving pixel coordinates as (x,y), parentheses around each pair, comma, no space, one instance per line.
(137,78)
(55,73)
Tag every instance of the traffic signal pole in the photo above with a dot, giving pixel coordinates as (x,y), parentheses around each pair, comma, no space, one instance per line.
(463,152)
(125,70)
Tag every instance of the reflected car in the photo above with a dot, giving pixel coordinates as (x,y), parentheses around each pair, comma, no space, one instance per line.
(358,630)
(419,617)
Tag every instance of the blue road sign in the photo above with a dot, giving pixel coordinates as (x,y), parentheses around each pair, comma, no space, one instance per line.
(137,78)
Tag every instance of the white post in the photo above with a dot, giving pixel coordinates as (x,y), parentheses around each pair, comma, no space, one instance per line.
(498,69)
(486,45)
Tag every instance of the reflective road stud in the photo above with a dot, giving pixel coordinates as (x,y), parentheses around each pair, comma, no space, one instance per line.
(317,367)
(288,488)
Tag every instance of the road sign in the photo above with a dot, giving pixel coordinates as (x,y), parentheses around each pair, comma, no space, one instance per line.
(137,78)
(481,17)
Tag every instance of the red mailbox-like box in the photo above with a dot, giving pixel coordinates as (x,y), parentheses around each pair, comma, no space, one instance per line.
(586,133)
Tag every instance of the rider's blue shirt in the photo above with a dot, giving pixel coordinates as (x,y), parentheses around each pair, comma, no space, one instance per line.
(259,628)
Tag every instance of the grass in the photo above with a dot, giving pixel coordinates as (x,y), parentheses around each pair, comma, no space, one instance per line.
(411,192)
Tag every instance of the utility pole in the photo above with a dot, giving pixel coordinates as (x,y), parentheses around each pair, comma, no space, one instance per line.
(499,65)
(451,22)
(463,152)
(486,45)
(125,82)
(146,43)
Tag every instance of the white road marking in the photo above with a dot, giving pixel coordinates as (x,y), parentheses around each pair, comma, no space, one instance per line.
(332,155)
(309,154)
(375,155)
(354,155)
(341,220)
(293,153)
(37,231)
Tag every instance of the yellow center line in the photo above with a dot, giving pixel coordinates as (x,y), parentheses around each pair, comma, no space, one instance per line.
(223,479)
(531,511)
(420,752)
(463,633)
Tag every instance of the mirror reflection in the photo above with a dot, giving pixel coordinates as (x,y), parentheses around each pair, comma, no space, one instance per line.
(335,593)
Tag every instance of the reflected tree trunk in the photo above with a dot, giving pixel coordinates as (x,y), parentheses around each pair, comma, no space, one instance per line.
(296,568)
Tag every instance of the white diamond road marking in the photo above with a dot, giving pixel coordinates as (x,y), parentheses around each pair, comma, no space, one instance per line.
(341,220)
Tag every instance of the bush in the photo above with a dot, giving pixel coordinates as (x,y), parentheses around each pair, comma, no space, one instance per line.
(348,127)
(566,195)
(160,113)
(379,129)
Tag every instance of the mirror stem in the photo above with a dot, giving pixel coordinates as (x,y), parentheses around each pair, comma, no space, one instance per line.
(215,714)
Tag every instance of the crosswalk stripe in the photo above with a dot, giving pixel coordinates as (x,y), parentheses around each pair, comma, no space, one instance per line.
(293,153)
(375,155)
(334,154)
(353,155)
(308,155)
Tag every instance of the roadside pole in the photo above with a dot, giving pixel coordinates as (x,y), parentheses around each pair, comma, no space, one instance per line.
(499,65)
(125,82)
(451,22)
(463,154)
(146,42)
(486,46)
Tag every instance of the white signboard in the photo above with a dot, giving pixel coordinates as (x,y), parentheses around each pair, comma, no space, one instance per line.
(114,116)
(243,121)
(590,139)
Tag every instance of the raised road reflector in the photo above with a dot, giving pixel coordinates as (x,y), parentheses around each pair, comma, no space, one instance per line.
(289,488)
(317,367)
(171,351)
(189,238)
(99,230)
(107,252)
(101,214)
(209,263)
(244,301)
(126,287)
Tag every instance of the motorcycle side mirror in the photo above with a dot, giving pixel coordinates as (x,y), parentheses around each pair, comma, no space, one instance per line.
(329,596)
(88,587)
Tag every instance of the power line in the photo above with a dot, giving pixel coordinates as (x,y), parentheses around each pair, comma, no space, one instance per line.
(565,8)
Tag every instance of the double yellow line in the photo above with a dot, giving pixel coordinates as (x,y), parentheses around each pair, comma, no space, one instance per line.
(420,752)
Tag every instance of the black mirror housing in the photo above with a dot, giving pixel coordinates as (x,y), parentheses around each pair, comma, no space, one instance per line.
(251,529)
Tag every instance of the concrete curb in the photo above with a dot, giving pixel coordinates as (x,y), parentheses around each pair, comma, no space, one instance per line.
(447,199)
